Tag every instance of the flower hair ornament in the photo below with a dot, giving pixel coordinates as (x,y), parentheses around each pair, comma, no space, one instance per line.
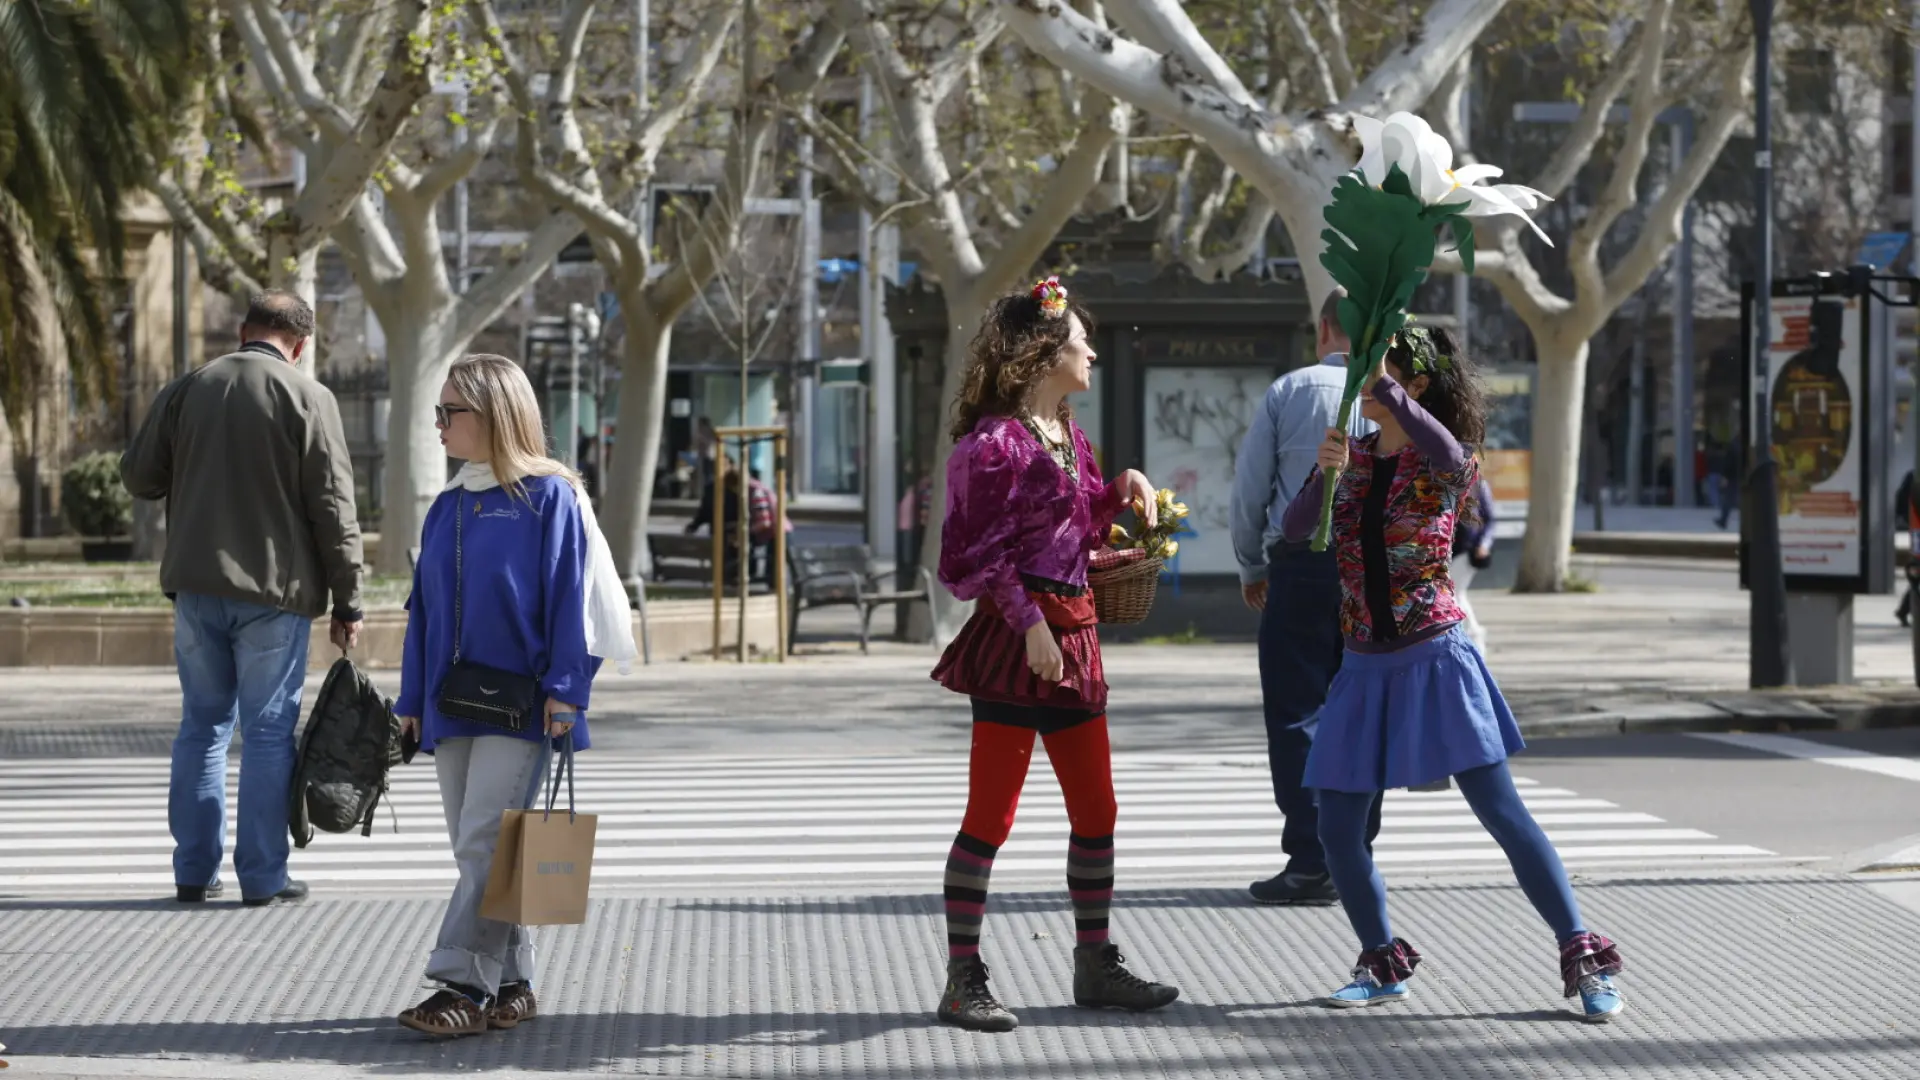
(1052,296)
(1427,357)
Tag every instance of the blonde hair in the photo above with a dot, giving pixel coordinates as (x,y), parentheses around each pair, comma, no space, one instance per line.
(500,396)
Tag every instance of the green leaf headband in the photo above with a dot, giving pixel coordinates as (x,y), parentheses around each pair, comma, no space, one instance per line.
(1427,357)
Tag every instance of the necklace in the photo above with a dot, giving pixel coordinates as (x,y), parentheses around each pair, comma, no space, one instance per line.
(1033,425)
(1061,450)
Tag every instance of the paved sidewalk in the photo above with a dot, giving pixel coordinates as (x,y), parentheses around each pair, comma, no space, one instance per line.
(839,985)
(1571,664)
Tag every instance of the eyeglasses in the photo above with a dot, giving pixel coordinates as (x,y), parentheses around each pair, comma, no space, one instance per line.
(444,414)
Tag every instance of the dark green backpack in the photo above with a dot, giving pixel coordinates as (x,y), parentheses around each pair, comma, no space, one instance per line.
(351,740)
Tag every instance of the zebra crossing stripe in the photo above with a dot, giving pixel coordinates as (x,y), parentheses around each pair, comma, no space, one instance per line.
(738,822)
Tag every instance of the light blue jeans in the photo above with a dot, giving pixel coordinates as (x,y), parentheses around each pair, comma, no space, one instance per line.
(479,778)
(245,662)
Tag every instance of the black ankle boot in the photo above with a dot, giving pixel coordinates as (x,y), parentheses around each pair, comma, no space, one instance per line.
(968,1003)
(1102,981)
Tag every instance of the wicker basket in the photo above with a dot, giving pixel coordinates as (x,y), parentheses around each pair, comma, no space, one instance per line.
(1123,583)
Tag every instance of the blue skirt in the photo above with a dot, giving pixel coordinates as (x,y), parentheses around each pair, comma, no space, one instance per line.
(1410,717)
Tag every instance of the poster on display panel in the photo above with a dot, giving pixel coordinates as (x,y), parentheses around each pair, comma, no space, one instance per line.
(1820,427)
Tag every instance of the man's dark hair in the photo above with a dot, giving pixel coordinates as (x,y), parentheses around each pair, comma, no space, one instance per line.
(281,312)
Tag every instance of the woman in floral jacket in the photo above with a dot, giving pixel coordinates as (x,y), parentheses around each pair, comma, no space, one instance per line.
(1413,701)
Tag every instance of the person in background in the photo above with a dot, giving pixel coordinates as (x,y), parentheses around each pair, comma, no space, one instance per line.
(513,575)
(729,521)
(1906,518)
(762,508)
(1725,481)
(1297,592)
(250,455)
(1472,552)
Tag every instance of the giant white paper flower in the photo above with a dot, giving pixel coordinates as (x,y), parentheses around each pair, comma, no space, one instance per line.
(1405,140)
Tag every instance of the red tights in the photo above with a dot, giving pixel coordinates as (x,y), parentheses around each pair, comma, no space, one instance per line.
(1082,761)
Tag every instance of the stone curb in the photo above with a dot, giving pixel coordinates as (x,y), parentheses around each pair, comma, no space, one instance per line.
(1726,714)
(1722,546)
(41,637)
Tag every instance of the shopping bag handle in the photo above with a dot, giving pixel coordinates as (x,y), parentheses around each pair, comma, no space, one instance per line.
(562,764)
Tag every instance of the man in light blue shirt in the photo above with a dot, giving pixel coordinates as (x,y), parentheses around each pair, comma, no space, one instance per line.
(1297,592)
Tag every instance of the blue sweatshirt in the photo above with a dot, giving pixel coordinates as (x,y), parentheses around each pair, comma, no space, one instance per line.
(524,605)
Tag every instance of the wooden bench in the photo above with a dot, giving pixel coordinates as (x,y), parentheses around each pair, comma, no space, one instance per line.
(678,556)
(826,575)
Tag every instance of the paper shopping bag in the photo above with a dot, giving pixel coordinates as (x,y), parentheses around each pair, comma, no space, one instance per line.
(543,861)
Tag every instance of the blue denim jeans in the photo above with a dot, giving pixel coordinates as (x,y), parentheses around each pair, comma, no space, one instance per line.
(1300,651)
(245,662)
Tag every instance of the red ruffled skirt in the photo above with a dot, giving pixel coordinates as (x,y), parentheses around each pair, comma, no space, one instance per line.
(987,660)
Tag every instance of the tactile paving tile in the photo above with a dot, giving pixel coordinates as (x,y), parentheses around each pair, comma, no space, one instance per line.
(1762,977)
(18,741)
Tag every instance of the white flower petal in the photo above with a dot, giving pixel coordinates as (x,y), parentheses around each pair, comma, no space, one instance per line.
(1400,143)
(1435,178)
(1372,165)
(1473,174)
(1524,197)
(1493,202)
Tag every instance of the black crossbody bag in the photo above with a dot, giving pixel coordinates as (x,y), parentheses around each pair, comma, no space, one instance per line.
(505,700)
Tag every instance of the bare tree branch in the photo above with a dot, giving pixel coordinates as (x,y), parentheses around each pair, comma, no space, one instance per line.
(1662,228)
(1340,52)
(370,249)
(584,199)
(1166,29)
(916,128)
(686,80)
(1076,175)
(484,302)
(1205,211)
(1408,75)
(217,262)
(1240,248)
(1577,147)
(1174,220)
(440,177)
(1329,90)
(944,74)
(1623,184)
(327,199)
(297,70)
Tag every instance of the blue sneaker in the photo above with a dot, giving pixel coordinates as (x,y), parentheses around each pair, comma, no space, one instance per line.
(1600,999)
(1365,990)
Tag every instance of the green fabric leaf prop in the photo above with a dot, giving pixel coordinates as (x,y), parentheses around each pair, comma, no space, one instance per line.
(1380,244)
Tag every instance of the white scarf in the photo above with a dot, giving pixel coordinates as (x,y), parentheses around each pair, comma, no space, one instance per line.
(609,614)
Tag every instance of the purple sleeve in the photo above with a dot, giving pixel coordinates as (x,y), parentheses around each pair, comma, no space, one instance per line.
(1303,513)
(1443,452)
(978,542)
(1105,499)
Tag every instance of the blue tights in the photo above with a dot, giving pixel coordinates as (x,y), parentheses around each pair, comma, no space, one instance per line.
(1490,792)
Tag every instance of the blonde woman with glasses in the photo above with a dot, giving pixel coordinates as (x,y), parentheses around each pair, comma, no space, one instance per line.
(515,599)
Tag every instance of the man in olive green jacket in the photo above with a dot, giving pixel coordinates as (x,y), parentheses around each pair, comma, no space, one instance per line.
(262,534)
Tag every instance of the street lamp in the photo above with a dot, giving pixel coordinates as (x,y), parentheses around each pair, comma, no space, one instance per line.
(1680,123)
(1766,576)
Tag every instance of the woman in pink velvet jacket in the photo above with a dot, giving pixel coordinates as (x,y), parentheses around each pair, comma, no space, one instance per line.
(1025,507)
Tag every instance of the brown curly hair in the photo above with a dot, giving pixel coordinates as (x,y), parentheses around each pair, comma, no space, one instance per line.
(1453,395)
(1013,352)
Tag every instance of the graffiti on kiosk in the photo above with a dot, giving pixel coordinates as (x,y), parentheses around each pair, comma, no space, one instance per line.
(1196,419)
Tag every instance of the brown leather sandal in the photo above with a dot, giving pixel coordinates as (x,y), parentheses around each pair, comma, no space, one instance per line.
(447,1012)
(514,1005)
